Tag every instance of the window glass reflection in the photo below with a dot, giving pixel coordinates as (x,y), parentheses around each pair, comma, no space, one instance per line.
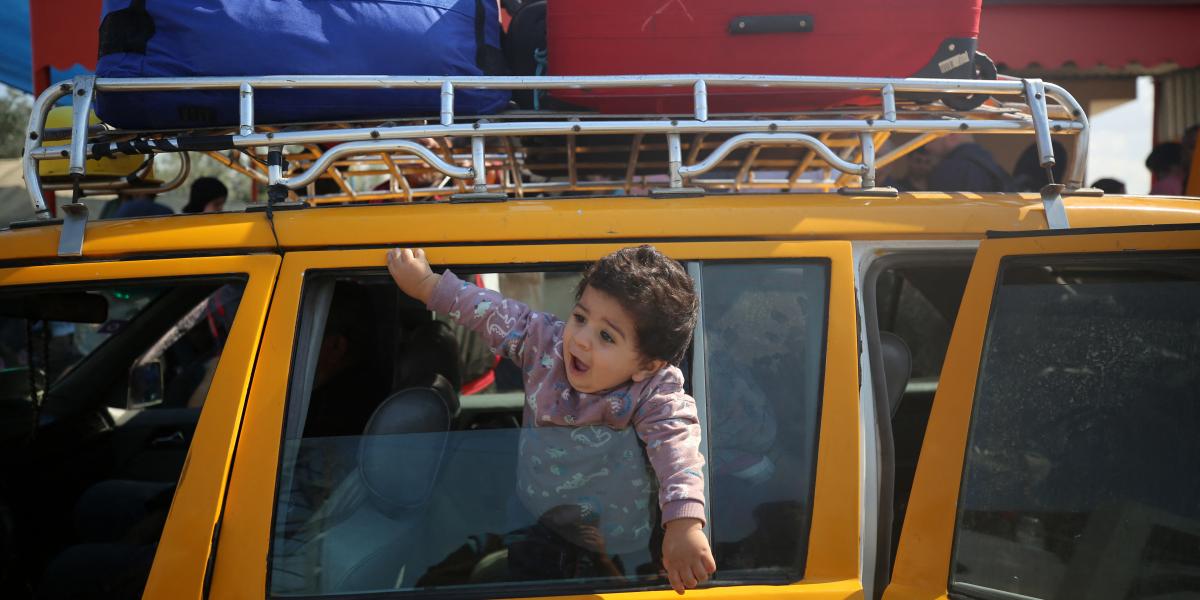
(765,336)
(1080,468)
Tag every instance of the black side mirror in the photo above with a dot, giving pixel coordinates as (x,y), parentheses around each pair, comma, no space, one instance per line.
(145,384)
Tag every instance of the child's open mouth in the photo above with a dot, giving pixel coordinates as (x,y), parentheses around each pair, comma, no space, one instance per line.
(578,366)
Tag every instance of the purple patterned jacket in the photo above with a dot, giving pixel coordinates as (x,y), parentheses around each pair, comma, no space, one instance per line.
(663,416)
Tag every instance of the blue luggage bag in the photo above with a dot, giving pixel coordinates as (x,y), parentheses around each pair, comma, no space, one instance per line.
(188,38)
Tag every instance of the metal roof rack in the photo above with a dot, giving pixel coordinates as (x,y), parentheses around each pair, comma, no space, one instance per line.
(522,153)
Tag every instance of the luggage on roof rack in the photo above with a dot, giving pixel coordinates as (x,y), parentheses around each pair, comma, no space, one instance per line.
(176,38)
(866,38)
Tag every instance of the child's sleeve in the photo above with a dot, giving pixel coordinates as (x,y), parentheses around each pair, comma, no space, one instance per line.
(669,426)
(509,327)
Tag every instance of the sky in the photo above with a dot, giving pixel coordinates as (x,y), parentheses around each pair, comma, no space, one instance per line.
(1121,139)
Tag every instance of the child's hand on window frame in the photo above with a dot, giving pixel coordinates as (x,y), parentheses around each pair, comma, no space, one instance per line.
(687,556)
(410,270)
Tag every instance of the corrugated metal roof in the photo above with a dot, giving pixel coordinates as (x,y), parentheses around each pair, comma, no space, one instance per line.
(1177,100)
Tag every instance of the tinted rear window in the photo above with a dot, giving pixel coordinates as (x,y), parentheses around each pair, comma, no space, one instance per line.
(1081,467)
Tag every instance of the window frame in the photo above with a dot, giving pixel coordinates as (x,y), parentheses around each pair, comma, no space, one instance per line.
(188,535)
(832,563)
(923,562)
(895,258)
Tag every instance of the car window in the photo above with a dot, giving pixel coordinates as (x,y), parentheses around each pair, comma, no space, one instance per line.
(1080,469)
(764,327)
(919,303)
(497,506)
(381,491)
(174,368)
(53,347)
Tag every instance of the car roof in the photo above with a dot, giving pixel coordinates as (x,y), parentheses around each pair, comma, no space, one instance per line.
(910,216)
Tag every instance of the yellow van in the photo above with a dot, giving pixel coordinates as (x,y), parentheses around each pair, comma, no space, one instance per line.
(904,395)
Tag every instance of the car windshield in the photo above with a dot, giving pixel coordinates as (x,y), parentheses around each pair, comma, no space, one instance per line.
(51,348)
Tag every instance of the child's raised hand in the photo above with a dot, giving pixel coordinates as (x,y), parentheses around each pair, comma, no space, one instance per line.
(411,272)
(686,554)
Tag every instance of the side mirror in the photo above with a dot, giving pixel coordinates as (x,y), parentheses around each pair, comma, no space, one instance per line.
(145,384)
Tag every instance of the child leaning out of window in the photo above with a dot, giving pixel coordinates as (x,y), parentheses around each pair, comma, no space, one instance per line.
(611,364)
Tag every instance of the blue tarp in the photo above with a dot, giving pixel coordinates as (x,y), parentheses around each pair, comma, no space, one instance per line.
(16,48)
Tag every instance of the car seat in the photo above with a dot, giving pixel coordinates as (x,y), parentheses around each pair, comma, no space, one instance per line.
(429,349)
(897,367)
(365,535)
(118,523)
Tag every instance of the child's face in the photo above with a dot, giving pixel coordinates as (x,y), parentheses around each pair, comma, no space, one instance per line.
(600,345)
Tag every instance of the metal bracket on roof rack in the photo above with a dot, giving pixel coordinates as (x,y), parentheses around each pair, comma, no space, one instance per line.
(868,187)
(81,107)
(1035,96)
(478,172)
(70,239)
(675,170)
(246,109)
(1088,192)
(1052,202)
(870,192)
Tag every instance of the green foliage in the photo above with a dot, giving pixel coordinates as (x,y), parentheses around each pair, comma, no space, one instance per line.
(14,116)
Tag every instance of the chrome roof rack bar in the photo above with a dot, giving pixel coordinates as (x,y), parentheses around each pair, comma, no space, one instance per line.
(857,130)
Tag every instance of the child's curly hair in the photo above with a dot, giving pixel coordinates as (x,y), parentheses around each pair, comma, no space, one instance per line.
(656,290)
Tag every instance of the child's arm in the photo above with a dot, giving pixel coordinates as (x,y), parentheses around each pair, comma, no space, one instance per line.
(508,326)
(686,554)
(670,427)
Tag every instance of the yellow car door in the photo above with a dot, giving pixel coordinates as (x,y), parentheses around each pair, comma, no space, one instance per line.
(334,491)
(79,355)
(1060,458)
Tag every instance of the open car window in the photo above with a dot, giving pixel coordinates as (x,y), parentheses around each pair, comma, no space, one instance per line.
(401,426)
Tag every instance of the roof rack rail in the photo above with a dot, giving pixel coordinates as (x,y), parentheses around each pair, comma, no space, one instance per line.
(525,153)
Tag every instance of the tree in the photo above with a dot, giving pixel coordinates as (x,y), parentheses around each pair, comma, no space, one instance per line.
(14,117)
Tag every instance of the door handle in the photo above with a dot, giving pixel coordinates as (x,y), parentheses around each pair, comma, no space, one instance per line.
(173,439)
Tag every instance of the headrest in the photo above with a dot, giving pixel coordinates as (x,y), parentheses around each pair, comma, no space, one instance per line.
(429,349)
(402,447)
(897,367)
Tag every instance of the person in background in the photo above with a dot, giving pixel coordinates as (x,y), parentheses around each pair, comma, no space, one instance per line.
(1166,166)
(1028,173)
(1109,185)
(916,175)
(208,195)
(142,205)
(965,166)
(1189,152)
